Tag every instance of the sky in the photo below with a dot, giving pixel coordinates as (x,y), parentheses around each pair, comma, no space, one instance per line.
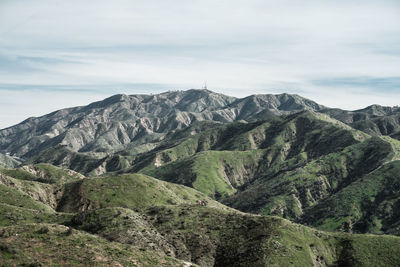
(57,53)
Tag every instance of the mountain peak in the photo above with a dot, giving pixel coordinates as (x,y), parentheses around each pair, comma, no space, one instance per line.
(378,110)
(109,101)
(120,121)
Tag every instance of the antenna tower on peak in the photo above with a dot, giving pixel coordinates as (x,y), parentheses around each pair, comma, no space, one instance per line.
(205,86)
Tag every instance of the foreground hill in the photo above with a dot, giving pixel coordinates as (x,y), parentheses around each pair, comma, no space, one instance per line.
(140,221)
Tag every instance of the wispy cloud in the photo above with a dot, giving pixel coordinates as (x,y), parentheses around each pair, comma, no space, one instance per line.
(382,84)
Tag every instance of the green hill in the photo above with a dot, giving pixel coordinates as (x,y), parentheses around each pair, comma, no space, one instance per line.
(284,166)
(134,219)
(212,237)
(135,191)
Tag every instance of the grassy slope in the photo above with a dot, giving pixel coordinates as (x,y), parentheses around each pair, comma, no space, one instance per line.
(42,172)
(147,222)
(215,173)
(17,198)
(352,190)
(67,158)
(30,230)
(57,245)
(23,200)
(310,182)
(282,167)
(136,191)
(382,125)
(213,237)
(282,141)
(370,204)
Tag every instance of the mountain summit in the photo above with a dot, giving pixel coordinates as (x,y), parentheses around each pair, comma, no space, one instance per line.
(121,120)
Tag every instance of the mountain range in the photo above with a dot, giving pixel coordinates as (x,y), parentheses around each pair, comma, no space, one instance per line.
(195,177)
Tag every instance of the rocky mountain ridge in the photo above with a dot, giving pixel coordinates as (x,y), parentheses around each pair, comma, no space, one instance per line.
(122,121)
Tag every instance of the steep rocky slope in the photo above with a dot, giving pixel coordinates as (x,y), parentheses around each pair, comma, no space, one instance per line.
(8,161)
(383,125)
(374,120)
(123,121)
(369,112)
(138,123)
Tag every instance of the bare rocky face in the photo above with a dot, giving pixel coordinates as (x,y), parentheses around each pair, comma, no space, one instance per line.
(116,122)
